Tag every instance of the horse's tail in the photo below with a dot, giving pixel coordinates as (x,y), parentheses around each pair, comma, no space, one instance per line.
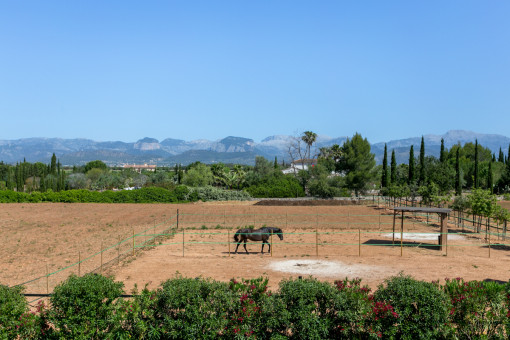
(236,236)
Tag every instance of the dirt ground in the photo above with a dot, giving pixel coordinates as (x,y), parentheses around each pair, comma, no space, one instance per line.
(322,241)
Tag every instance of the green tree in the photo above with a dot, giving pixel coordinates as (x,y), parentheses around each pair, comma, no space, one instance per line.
(357,162)
(490,179)
(476,183)
(53,166)
(97,164)
(442,153)
(410,177)
(501,157)
(384,177)
(393,169)
(198,176)
(458,183)
(309,138)
(421,175)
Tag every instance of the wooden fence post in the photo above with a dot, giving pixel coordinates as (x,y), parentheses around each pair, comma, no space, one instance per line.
(118,252)
(182,242)
(101,267)
(359,241)
(316,243)
(271,243)
(47,280)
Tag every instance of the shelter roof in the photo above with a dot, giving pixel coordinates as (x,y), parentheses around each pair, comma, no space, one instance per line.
(423,209)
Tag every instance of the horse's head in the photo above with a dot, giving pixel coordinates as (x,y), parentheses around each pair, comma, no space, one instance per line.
(279,232)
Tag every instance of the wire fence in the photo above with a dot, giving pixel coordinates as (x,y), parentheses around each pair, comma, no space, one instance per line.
(305,234)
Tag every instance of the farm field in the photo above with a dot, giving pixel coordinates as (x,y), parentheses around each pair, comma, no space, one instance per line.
(43,242)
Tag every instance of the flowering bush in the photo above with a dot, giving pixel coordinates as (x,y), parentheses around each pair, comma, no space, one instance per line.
(90,307)
(423,309)
(479,309)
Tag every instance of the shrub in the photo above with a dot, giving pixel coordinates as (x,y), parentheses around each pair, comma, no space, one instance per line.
(479,309)
(13,307)
(423,309)
(357,314)
(307,308)
(210,193)
(256,312)
(83,307)
(277,187)
(188,308)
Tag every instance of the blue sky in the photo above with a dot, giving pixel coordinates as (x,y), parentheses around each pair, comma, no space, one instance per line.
(124,70)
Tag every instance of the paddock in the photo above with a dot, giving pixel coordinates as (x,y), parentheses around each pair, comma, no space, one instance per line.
(147,244)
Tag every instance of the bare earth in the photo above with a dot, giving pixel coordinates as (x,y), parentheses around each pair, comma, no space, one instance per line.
(323,241)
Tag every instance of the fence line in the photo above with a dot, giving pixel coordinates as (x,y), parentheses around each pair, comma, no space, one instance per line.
(349,221)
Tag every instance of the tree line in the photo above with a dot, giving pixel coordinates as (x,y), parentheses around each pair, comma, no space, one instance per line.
(349,169)
(463,167)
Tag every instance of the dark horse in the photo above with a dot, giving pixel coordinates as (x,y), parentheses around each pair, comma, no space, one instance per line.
(262,234)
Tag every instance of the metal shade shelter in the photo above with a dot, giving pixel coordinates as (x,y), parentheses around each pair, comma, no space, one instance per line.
(443,212)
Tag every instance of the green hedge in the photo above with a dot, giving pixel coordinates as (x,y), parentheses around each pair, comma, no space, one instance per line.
(90,307)
(277,187)
(144,195)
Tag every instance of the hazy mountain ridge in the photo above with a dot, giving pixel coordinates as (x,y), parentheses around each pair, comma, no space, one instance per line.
(227,150)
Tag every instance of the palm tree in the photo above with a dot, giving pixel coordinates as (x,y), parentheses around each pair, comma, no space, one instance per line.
(309,138)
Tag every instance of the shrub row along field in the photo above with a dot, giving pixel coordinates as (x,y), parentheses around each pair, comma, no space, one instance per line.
(144,195)
(91,307)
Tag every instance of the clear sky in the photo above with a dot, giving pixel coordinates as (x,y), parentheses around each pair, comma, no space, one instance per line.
(124,70)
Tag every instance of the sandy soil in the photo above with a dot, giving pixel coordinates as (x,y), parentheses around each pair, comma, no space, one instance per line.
(322,241)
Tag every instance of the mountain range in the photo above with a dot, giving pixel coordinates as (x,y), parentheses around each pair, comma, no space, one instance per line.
(238,150)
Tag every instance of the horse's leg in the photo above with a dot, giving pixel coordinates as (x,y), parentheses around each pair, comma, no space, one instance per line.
(238,243)
(263,242)
(245,247)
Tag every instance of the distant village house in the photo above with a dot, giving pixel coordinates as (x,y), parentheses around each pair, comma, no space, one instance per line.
(138,168)
(300,164)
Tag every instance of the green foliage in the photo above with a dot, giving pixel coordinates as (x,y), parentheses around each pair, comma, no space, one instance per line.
(210,193)
(94,165)
(198,176)
(479,309)
(357,162)
(144,195)
(385,180)
(83,307)
(423,308)
(307,303)
(429,193)
(188,308)
(482,203)
(460,203)
(90,307)
(15,319)
(277,186)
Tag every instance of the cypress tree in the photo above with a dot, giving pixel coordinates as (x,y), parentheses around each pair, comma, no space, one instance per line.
(421,176)
(493,157)
(384,177)
(410,178)
(501,157)
(442,154)
(508,157)
(393,169)
(275,162)
(458,186)
(476,179)
(53,166)
(490,179)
